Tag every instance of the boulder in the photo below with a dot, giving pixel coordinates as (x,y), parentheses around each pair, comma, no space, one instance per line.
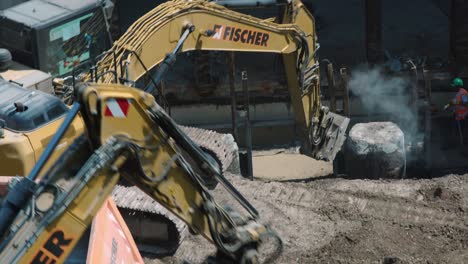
(375,150)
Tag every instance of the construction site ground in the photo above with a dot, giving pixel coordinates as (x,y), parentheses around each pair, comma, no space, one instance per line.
(323,219)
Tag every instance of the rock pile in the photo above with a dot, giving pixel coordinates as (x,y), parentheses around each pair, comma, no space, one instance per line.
(375,150)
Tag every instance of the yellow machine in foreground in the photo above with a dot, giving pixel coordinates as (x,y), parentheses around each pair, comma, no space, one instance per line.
(41,220)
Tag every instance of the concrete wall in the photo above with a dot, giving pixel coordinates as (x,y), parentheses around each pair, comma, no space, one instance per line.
(416,27)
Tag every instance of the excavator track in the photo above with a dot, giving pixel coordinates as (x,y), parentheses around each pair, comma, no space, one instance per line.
(157,232)
(222,146)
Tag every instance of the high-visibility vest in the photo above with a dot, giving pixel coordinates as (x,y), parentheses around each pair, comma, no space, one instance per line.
(461,112)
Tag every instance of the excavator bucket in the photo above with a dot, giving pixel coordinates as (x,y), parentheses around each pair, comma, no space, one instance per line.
(328,136)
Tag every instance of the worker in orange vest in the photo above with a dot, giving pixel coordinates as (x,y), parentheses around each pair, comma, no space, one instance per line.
(460,103)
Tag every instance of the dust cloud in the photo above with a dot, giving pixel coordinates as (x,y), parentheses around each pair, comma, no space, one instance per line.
(385,97)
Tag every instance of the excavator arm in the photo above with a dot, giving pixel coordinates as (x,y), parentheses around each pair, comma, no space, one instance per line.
(128,135)
(181,26)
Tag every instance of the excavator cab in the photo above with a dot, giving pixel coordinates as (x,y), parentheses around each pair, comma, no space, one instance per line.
(53,37)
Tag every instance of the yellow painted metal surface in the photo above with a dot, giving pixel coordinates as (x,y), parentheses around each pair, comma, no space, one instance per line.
(20,151)
(67,229)
(16,155)
(40,137)
(177,192)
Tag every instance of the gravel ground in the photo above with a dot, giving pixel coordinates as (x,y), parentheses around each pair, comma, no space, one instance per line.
(334,220)
(288,166)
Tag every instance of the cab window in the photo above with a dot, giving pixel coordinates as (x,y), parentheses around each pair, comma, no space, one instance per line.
(61,47)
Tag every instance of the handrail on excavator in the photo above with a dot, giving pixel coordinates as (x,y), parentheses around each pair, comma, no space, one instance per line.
(249,3)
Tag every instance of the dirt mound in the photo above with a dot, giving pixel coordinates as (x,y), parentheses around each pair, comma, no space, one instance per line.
(358,221)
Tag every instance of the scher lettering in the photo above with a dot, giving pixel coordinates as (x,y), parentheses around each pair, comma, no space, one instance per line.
(52,249)
(246,36)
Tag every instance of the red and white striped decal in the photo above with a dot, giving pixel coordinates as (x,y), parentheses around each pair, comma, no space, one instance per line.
(117,107)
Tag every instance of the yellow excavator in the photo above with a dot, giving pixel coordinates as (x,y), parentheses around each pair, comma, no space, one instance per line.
(181,26)
(128,134)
